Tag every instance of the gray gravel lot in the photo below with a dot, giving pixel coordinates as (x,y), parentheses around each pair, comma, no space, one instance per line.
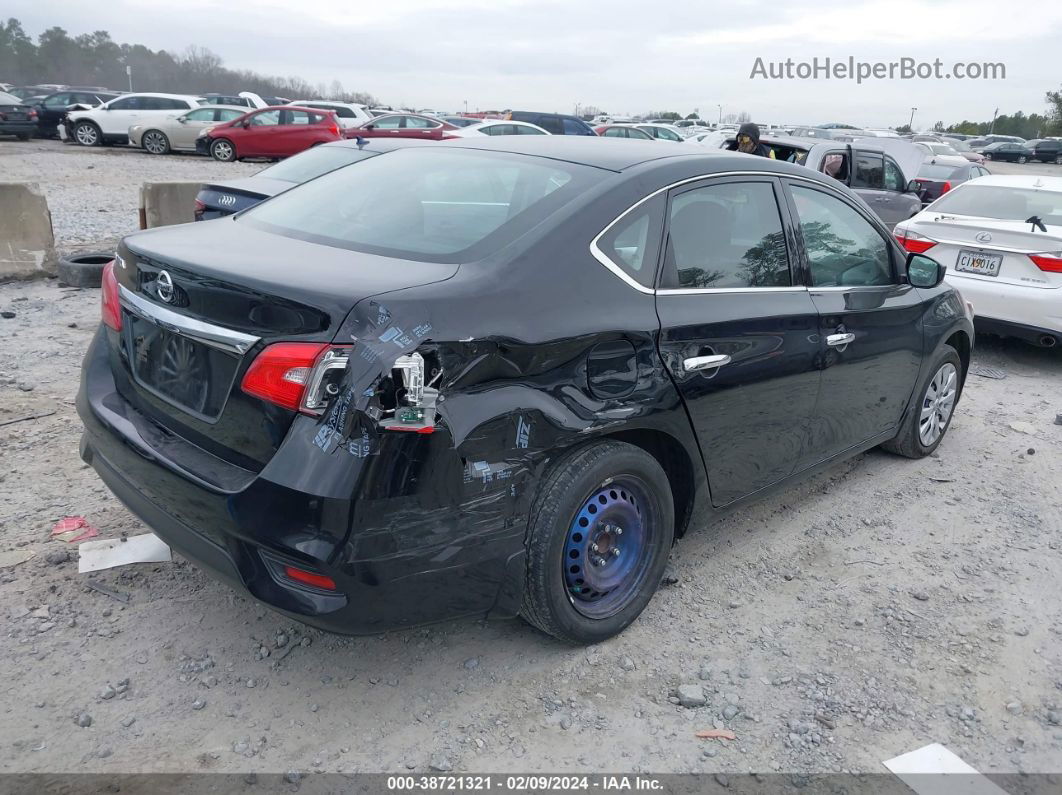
(94,193)
(865,613)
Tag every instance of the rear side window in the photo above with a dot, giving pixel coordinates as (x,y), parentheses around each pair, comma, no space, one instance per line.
(551,124)
(726,235)
(572,127)
(437,206)
(633,242)
(298,117)
(843,248)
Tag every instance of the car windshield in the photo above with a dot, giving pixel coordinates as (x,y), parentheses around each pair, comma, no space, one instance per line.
(1002,203)
(433,206)
(935,171)
(314,162)
(9,99)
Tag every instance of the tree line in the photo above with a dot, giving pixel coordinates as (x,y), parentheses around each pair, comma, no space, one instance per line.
(95,59)
(1032,126)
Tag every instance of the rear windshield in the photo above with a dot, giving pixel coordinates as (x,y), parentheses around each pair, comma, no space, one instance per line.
(936,171)
(1006,204)
(433,205)
(315,162)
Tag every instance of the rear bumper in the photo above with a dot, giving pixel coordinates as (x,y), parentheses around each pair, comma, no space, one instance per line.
(18,127)
(1036,310)
(403,563)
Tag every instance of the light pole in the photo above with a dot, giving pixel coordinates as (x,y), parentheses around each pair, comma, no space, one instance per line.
(995,113)
(720,114)
(129,74)
(466,107)
(910,124)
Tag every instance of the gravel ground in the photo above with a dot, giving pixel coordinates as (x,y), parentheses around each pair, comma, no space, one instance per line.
(94,194)
(865,613)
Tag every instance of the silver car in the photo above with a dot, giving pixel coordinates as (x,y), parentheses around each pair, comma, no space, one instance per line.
(177,133)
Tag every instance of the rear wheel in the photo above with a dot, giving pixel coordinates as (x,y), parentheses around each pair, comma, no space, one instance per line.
(87,134)
(155,142)
(223,150)
(930,418)
(1023,159)
(599,537)
(1058,160)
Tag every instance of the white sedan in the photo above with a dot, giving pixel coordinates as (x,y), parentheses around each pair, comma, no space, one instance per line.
(177,133)
(497,127)
(1000,238)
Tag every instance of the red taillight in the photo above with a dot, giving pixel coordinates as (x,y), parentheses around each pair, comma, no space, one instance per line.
(110,309)
(280,372)
(310,578)
(914,242)
(946,187)
(1051,263)
(198,210)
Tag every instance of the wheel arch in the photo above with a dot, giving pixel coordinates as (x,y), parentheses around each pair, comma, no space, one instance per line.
(676,463)
(961,342)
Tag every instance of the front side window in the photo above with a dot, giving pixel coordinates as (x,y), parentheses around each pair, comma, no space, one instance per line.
(633,242)
(843,248)
(433,206)
(869,171)
(59,101)
(615,132)
(227,114)
(551,124)
(727,235)
(268,118)
(894,179)
(203,114)
(572,127)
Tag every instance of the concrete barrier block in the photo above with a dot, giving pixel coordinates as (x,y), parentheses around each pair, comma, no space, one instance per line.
(167,203)
(27,243)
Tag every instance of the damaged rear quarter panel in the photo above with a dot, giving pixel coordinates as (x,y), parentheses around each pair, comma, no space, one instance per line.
(512,335)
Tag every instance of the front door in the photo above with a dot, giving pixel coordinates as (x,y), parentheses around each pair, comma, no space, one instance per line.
(739,332)
(870,320)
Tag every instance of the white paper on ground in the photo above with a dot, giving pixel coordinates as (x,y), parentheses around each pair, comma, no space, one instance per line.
(934,770)
(106,553)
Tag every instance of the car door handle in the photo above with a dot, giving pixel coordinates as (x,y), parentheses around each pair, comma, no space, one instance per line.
(705,362)
(837,340)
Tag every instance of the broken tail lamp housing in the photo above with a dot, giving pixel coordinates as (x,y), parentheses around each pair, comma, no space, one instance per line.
(305,377)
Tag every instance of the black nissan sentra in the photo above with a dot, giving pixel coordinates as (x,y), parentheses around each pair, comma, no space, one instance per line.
(502,377)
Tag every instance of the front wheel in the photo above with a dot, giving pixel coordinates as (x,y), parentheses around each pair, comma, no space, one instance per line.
(223,150)
(87,134)
(988,156)
(599,537)
(930,417)
(1058,160)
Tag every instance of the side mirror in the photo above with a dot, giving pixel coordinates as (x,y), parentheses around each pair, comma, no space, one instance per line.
(912,186)
(923,271)
(182,120)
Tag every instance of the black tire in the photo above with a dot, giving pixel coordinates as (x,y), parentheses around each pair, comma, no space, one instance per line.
(987,155)
(86,133)
(223,149)
(1058,160)
(908,442)
(23,136)
(1022,159)
(83,270)
(571,482)
(155,142)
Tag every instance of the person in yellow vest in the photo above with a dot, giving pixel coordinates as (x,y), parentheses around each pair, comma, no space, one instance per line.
(748,141)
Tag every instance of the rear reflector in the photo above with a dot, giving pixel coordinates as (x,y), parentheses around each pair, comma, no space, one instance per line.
(110,309)
(1051,263)
(310,578)
(280,372)
(914,242)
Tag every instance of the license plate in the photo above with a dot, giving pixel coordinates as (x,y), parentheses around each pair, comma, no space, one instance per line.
(979,262)
(16,116)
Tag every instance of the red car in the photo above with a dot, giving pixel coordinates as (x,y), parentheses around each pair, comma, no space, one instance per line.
(402,125)
(269,132)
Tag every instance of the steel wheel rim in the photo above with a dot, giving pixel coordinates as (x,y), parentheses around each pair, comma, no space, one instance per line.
(86,135)
(938,404)
(608,548)
(153,143)
(223,150)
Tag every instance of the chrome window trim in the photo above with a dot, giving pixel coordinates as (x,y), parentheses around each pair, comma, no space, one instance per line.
(207,333)
(604,259)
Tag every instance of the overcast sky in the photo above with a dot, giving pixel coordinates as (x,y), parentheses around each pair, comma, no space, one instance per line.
(626,56)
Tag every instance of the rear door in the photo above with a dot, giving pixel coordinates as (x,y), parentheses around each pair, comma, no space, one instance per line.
(739,332)
(189,125)
(869,320)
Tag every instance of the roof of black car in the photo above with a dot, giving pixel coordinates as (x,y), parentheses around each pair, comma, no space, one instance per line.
(614,154)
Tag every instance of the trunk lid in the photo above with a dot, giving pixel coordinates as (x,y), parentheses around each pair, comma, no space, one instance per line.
(200,301)
(1012,241)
